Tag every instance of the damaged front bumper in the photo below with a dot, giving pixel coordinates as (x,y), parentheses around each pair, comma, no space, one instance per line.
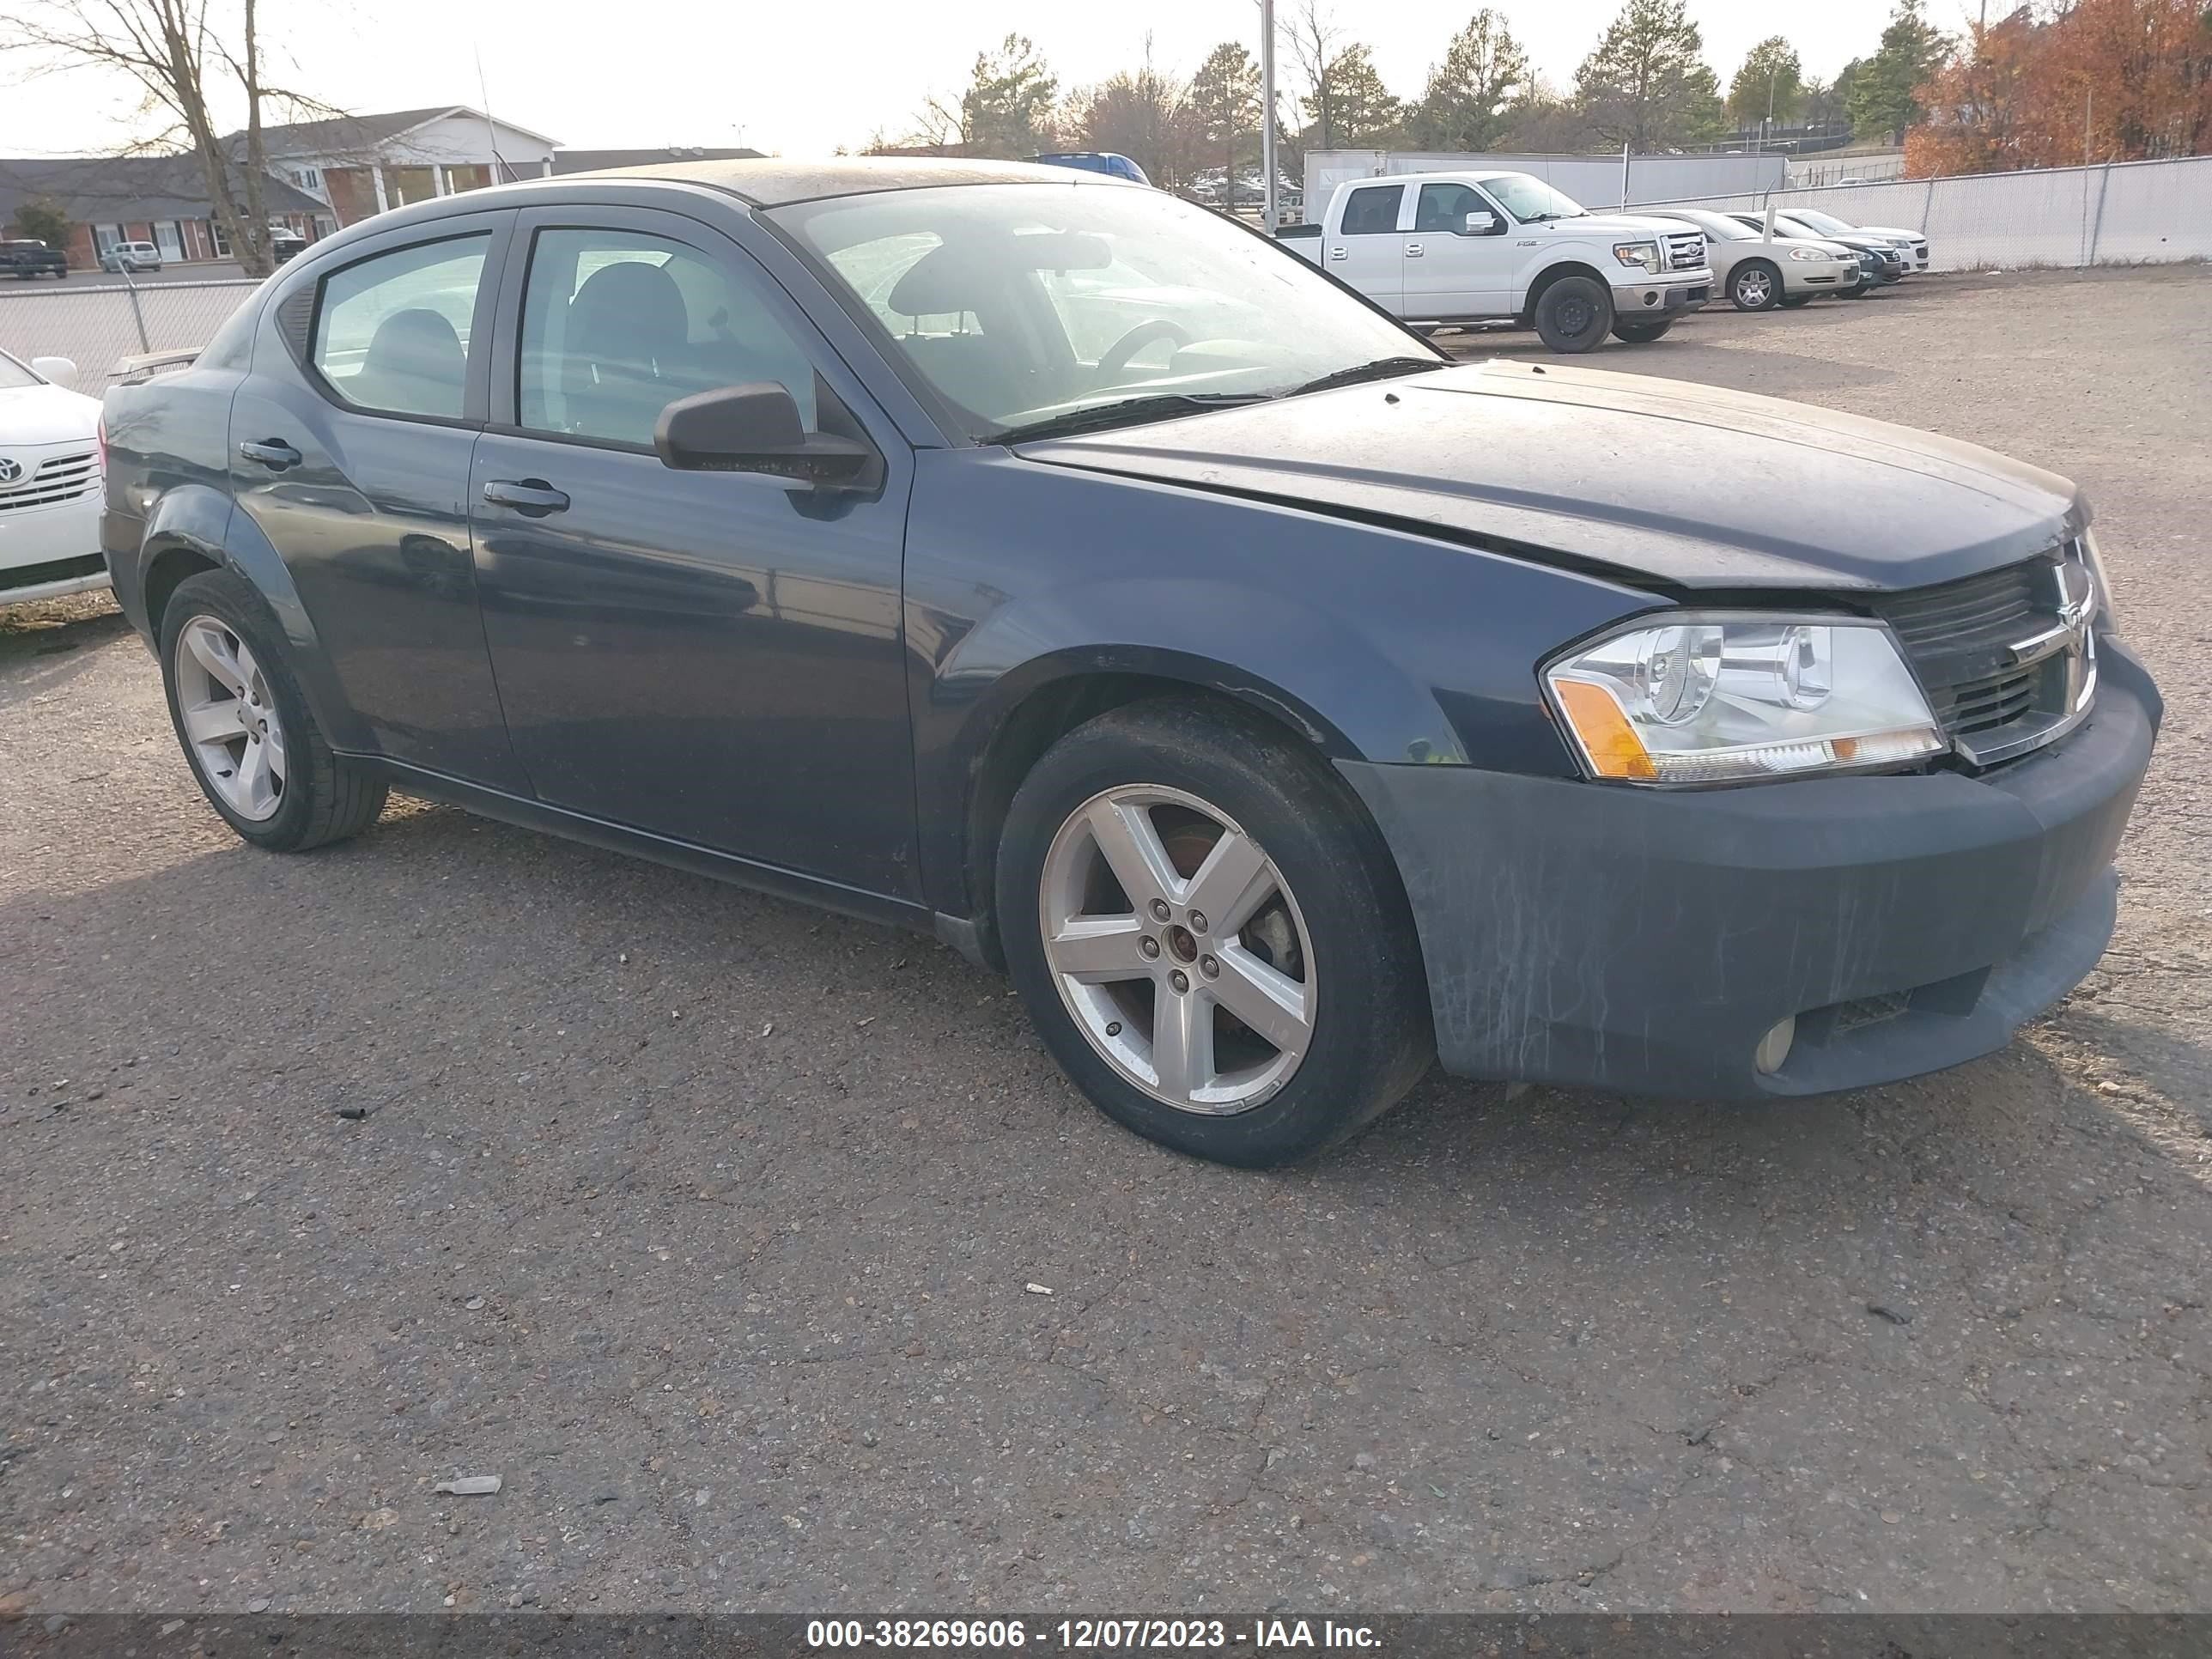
(1647,941)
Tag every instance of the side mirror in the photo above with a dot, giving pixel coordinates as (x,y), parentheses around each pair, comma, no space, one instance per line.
(60,370)
(1481,224)
(756,428)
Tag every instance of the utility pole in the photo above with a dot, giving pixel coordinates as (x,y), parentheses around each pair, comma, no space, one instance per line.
(1269,218)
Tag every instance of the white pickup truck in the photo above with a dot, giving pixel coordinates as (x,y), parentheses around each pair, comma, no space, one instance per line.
(1464,247)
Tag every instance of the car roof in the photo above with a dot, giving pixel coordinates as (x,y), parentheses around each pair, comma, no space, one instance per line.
(775,181)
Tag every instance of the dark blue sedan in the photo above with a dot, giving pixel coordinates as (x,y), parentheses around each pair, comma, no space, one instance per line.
(1063,569)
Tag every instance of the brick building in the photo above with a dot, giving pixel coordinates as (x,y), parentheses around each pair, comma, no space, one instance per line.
(161,199)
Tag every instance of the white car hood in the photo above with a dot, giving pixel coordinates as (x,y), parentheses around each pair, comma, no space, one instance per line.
(1612,224)
(33,415)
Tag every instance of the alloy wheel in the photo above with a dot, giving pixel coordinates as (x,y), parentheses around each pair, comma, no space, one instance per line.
(1753,287)
(1178,948)
(229,720)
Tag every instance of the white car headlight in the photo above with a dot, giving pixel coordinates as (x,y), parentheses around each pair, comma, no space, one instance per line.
(1645,254)
(1713,699)
(1810,255)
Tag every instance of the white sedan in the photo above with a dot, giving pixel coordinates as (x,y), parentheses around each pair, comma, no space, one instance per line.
(50,482)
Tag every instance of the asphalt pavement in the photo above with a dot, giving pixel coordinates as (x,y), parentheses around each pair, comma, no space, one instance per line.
(766,1260)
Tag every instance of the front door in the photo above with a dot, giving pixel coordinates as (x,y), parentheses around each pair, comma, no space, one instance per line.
(349,446)
(1367,249)
(713,657)
(1450,272)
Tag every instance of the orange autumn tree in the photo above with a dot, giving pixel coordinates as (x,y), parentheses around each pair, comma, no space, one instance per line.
(2102,80)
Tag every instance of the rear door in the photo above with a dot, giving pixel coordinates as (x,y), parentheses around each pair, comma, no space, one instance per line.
(1367,249)
(1450,271)
(349,448)
(713,657)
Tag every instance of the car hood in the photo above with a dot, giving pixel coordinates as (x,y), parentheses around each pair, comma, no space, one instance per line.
(34,415)
(1609,224)
(1654,481)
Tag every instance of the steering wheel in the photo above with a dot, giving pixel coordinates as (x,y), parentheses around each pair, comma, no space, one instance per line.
(1116,360)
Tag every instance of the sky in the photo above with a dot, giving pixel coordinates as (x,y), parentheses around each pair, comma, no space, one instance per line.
(804,79)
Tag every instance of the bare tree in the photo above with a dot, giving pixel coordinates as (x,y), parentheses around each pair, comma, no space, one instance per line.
(1313,34)
(181,54)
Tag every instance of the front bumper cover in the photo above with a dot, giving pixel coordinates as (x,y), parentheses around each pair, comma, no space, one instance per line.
(1644,940)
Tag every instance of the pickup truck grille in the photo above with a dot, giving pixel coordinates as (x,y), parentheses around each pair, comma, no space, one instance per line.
(1991,700)
(59,478)
(1685,250)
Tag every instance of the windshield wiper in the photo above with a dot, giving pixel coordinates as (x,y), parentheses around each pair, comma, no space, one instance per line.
(1126,411)
(1382,368)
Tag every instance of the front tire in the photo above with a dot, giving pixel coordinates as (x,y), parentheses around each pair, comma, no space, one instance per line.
(1575,314)
(244,725)
(1642,333)
(1754,285)
(1210,935)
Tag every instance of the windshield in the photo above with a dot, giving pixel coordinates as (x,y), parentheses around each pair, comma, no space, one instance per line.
(1017,304)
(1720,229)
(1825,223)
(13,374)
(1531,200)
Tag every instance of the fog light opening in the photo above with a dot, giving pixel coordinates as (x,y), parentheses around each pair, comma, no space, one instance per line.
(1774,1048)
(1649,298)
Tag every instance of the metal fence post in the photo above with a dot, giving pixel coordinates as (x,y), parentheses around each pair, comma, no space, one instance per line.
(138,312)
(2097,226)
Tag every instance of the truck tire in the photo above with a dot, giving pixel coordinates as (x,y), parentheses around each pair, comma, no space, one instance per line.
(1641,333)
(1575,314)
(1310,938)
(1754,285)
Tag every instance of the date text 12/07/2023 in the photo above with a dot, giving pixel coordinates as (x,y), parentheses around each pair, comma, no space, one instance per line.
(1085,1635)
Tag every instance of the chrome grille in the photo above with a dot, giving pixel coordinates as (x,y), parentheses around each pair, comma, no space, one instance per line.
(1686,250)
(59,478)
(2001,673)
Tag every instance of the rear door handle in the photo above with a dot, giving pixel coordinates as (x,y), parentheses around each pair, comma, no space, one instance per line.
(1413,250)
(533,496)
(1336,254)
(272,453)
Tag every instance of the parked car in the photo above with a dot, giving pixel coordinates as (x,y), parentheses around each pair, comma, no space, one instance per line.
(1281,704)
(130,256)
(1889,256)
(1910,243)
(1096,161)
(1441,248)
(50,498)
(285,243)
(26,258)
(1759,271)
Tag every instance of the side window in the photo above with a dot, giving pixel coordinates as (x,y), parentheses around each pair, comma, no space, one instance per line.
(1372,210)
(617,325)
(392,334)
(1445,207)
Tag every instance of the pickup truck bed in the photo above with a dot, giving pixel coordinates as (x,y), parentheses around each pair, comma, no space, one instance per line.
(30,259)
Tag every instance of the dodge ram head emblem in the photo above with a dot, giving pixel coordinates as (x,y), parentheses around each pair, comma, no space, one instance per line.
(2076,596)
(10,470)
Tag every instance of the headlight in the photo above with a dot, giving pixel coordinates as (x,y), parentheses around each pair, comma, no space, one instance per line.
(1811,255)
(1645,254)
(1709,699)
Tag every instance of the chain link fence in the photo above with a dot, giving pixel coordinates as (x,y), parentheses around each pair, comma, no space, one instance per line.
(101,323)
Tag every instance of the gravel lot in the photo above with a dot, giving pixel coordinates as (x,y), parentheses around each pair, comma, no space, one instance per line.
(711,1225)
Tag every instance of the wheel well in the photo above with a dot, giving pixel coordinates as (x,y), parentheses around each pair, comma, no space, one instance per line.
(169,568)
(1040,720)
(1536,288)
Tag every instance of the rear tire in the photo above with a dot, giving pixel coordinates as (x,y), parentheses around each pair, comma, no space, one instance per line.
(1642,333)
(1318,924)
(318,797)
(1575,314)
(1754,285)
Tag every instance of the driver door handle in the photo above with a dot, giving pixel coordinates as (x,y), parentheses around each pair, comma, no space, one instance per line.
(1413,250)
(532,495)
(272,453)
